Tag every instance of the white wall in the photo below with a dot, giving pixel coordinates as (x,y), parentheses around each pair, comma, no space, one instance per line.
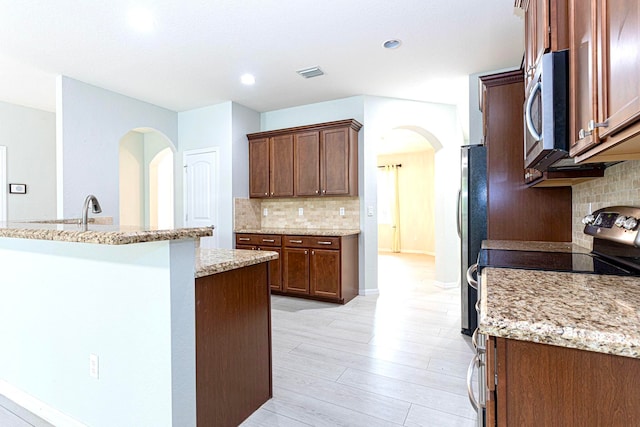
(223,126)
(132,179)
(132,305)
(90,123)
(29,136)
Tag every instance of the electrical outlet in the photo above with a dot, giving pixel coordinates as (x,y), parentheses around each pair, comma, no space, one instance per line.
(341,211)
(265,212)
(94,366)
(300,211)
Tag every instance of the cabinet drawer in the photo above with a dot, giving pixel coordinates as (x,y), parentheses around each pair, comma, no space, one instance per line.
(312,242)
(259,239)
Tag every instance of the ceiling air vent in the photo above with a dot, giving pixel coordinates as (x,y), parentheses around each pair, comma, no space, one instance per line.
(307,73)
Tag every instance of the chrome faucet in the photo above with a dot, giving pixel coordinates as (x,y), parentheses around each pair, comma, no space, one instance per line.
(95,208)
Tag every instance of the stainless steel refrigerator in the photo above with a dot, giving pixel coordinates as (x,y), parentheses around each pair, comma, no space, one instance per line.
(472,224)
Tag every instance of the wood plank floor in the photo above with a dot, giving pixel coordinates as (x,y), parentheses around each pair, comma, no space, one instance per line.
(387,360)
(393,359)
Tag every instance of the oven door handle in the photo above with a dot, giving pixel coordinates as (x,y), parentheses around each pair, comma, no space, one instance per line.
(472,282)
(472,398)
(527,111)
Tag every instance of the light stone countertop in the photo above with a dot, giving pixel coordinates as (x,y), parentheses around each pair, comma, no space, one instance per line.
(583,311)
(212,261)
(298,231)
(516,245)
(62,230)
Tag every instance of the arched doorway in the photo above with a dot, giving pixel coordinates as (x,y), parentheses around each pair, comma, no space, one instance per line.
(146,179)
(406,192)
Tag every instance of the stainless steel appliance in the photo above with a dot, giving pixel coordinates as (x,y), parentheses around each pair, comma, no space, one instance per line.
(616,251)
(546,113)
(472,224)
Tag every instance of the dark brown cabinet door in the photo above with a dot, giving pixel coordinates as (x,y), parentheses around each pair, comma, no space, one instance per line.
(275,275)
(325,273)
(306,166)
(334,162)
(259,167)
(295,264)
(582,72)
(620,68)
(281,166)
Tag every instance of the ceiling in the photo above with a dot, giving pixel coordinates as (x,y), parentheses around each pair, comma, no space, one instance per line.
(198,49)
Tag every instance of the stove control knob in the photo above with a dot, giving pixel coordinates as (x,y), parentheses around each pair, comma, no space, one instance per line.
(588,220)
(631,223)
(620,221)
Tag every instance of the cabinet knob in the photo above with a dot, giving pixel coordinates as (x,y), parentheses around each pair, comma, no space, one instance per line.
(272,193)
(313,252)
(266,194)
(306,252)
(582,134)
(316,191)
(324,191)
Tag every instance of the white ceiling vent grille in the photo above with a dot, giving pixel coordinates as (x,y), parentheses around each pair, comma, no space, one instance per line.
(307,73)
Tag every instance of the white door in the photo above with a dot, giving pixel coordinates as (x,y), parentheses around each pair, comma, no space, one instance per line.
(201,191)
(3,184)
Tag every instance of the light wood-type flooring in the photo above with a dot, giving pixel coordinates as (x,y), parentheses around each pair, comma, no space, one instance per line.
(387,360)
(395,359)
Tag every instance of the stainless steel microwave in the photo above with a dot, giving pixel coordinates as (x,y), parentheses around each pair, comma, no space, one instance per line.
(546,113)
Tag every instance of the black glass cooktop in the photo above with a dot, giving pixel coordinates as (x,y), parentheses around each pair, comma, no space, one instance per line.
(551,261)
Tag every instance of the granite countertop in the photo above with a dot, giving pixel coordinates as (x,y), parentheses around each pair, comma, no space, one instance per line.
(62,230)
(583,311)
(516,245)
(299,231)
(212,261)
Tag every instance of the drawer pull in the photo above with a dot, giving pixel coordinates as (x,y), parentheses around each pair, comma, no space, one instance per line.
(324,243)
(244,239)
(268,240)
(295,241)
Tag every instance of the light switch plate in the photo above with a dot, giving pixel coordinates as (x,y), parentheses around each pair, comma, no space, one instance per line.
(341,211)
(300,211)
(369,210)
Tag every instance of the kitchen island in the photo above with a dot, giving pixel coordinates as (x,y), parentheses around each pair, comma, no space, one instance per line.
(563,348)
(101,326)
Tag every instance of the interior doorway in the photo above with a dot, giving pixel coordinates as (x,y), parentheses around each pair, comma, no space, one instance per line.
(406,194)
(146,179)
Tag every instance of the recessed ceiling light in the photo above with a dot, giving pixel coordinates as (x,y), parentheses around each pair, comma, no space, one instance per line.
(392,44)
(141,19)
(247,79)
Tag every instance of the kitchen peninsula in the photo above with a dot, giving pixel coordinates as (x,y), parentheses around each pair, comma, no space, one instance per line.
(124,326)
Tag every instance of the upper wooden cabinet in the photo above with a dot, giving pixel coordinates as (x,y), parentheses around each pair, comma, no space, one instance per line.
(546,30)
(271,166)
(605,79)
(306,161)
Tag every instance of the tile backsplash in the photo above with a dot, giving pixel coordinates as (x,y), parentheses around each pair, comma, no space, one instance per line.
(317,212)
(619,186)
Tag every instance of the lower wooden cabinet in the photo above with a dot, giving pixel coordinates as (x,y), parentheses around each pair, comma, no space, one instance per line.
(532,384)
(265,242)
(315,267)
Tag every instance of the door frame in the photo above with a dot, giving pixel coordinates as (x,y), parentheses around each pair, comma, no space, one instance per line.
(216,151)
(3,184)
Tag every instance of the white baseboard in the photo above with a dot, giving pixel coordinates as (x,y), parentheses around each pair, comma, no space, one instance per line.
(445,285)
(37,407)
(389,251)
(368,292)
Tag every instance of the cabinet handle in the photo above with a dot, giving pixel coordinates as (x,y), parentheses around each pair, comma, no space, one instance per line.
(582,134)
(306,252)
(592,125)
(325,243)
(295,241)
(244,239)
(268,240)
(259,249)
(313,252)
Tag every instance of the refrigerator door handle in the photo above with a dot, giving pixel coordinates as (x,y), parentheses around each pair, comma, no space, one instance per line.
(459,213)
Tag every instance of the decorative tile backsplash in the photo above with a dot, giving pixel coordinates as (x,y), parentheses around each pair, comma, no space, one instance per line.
(317,212)
(619,186)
